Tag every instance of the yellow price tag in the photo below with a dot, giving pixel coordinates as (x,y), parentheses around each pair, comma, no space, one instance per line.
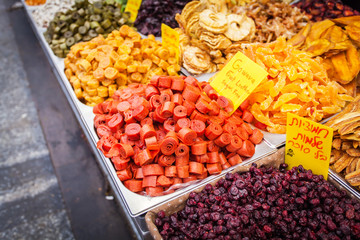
(132,7)
(238,79)
(170,39)
(308,144)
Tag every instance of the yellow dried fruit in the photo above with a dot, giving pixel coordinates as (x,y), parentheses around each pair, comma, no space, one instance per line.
(96,69)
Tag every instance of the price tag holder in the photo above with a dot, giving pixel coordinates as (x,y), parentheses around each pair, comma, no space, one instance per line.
(308,144)
(238,79)
(170,39)
(132,7)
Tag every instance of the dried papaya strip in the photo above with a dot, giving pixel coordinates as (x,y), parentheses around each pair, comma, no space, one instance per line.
(235,144)
(123,106)
(191,93)
(179,112)
(213,157)
(223,140)
(187,136)
(190,107)
(214,168)
(182,160)
(126,151)
(182,123)
(199,148)
(119,163)
(166,161)
(214,109)
(169,125)
(152,170)
(149,181)
(164,82)
(150,91)
(213,131)
(234,160)
(196,168)
(164,181)
(169,145)
(134,185)
(183,171)
(170,171)
(177,99)
(177,84)
(155,101)
(140,112)
(198,126)
(247,149)
(167,109)
(124,175)
(212,147)
(182,150)
(145,157)
(132,130)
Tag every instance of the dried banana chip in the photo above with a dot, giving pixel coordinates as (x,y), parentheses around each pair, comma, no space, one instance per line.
(346,145)
(342,162)
(353,178)
(353,152)
(336,144)
(341,67)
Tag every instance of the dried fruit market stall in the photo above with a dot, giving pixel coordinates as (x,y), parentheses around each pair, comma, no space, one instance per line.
(173,147)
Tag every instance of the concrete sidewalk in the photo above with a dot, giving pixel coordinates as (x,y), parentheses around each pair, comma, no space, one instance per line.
(31,205)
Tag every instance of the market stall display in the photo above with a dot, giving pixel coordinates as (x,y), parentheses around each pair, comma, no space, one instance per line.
(43,14)
(337,41)
(151,144)
(319,10)
(345,154)
(297,83)
(172,131)
(273,19)
(153,13)
(264,203)
(83,22)
(96,69)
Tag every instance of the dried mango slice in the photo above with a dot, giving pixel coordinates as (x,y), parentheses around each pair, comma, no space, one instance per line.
(341,67)
(354,33)
(290,107)
(264,105)
(299,39)
(353,60)
(346,20)
(319,46)
(284,98)
(317,29)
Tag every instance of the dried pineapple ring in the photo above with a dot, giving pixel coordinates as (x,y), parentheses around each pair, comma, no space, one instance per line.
(213,22)
(234,30)
(196,60)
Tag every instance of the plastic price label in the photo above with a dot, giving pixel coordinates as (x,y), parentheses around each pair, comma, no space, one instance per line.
(132,7)
(238,79)
(308,144)
(170,39)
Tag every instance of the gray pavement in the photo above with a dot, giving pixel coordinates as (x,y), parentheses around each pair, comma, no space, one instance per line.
(31,205)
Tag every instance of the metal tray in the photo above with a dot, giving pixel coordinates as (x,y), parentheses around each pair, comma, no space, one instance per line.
(135,204)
